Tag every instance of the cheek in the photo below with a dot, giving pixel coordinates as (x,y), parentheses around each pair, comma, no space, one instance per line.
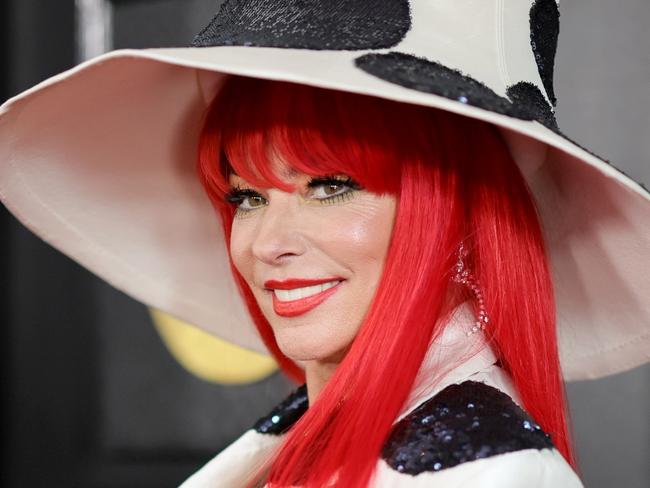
(361,234)
(358,241)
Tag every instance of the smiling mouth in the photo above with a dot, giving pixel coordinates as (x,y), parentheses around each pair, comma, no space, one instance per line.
(297,301)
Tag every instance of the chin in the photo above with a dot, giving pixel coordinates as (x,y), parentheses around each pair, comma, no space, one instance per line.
(299,346)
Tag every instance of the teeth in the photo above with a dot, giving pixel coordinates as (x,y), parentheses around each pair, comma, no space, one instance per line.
(296,293)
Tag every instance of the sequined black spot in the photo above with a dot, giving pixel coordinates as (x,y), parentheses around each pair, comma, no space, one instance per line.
(461,423)
(308,24)
(284,415)
(527,96)
(544,29)
(428,76)
(431,77)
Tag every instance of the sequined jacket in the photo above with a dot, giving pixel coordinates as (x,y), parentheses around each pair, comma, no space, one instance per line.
(459,428)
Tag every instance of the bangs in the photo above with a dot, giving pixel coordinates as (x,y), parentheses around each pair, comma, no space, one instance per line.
(266,131)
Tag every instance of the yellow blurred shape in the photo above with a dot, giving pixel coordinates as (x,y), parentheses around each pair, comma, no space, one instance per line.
(209,357)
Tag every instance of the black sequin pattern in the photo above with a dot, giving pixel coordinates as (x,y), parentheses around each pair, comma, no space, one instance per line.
(544,19)
(428,76)
(527,96)
(284,415)
(462,423)
(308,24)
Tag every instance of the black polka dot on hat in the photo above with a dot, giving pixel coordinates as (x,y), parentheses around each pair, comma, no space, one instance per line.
(308,24)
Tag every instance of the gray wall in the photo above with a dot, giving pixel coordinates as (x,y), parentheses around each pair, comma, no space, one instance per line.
(602,82)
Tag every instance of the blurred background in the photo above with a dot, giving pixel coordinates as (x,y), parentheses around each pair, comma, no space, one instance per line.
(98,390)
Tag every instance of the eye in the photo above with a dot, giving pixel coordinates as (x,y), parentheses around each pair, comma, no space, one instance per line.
(332,187)
(245,199)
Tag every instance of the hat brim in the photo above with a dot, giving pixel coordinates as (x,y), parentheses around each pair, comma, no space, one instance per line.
(99,161)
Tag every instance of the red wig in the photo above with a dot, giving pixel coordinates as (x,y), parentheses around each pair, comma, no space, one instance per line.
(454,180)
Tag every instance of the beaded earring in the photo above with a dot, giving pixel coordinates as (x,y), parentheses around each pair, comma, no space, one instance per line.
(465,277)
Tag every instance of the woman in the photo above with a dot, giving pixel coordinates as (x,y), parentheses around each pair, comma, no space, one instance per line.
(383,196)
(431,358)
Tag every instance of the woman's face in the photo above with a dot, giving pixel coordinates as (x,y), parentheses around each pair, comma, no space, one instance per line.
(312,258)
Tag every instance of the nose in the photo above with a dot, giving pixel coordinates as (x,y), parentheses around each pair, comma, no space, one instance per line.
(280,230)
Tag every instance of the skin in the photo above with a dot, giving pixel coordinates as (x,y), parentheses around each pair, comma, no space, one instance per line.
(300,235)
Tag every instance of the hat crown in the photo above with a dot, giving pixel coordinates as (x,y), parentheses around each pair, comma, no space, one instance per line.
(497,43)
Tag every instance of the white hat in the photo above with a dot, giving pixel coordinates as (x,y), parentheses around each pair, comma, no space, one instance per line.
(74,168)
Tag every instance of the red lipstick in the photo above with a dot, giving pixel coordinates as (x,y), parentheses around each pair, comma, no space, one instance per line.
(293,308)
(291,283)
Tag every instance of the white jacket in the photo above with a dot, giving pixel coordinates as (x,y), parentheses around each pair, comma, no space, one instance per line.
(518,455)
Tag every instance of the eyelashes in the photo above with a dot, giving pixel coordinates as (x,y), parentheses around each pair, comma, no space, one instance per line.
(237,195)
(341,188)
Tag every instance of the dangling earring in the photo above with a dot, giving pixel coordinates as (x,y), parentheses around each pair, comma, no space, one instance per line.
(465,277)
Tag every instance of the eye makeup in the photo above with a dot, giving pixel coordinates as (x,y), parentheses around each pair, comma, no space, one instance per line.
(238,195)
(333,180)
(335,183)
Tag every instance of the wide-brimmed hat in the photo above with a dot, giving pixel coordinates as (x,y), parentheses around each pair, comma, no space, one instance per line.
(99,161)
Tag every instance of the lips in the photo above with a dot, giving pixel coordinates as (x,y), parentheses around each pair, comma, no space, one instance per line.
(299,306)
(291,283)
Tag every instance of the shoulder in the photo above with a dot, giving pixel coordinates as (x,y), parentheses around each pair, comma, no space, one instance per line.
(285,414)
(472,427)
(462,423)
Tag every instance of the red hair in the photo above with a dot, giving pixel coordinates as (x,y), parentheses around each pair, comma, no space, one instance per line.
(454,180)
